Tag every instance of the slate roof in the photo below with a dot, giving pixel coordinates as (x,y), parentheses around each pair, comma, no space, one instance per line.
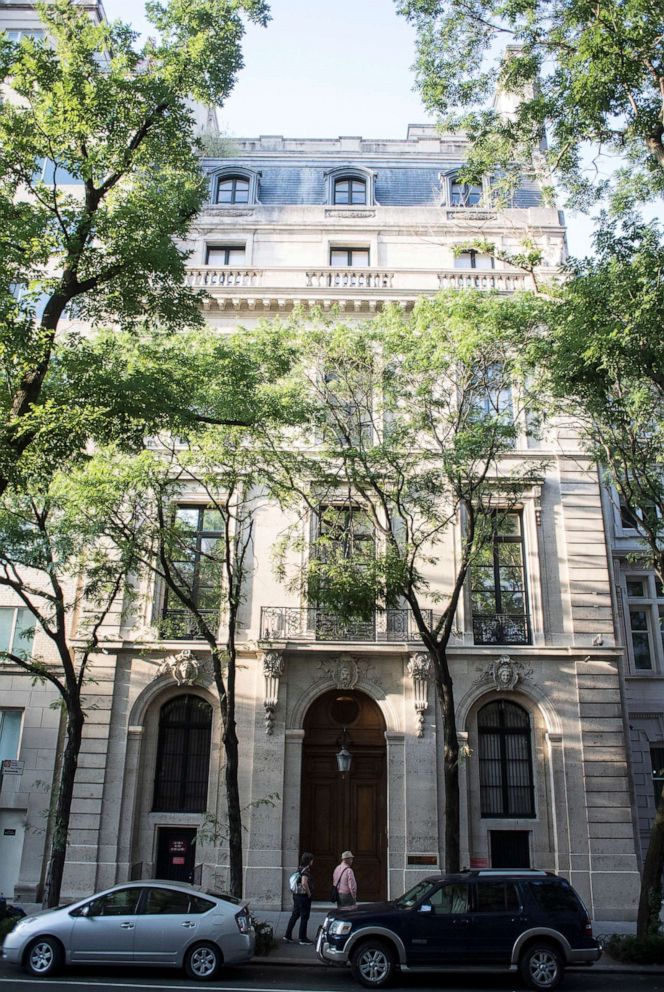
(397,185)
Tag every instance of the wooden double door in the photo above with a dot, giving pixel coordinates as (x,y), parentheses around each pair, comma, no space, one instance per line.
(345,812)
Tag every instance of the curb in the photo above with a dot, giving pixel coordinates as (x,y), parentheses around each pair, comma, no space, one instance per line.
(596,969)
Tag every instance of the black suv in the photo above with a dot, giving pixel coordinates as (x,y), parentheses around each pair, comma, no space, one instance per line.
(528,921)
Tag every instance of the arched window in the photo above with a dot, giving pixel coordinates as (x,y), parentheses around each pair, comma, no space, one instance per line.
(233,189)
(350,185)
(350,190)
(183,756)
(505,760)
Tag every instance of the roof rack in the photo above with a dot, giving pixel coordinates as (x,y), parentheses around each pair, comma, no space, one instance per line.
(511,871)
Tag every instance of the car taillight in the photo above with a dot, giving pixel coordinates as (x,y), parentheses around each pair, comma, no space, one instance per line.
(243,921)
(588,929)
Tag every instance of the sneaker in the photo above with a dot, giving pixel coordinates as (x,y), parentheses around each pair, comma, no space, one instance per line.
(288,940)
(303,942)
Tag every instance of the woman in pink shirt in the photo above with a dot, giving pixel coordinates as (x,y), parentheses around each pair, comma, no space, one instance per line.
(344,879)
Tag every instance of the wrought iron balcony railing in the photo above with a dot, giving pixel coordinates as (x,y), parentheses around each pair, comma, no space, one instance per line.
(501,628)
(180,625)
(292,623)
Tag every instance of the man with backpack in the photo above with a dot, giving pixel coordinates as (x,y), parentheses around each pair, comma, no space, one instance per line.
(301,885)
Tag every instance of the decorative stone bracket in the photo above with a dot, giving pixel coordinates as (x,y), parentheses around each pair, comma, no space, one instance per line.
(273,669)
(419,669)
(183,667)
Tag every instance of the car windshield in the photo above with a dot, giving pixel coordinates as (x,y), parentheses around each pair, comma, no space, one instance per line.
(413,896)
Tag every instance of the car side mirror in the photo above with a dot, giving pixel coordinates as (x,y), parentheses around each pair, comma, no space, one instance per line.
(426,907)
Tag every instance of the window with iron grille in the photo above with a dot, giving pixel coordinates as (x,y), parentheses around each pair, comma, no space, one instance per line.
(498,586)
(505,761)
(183,756)
(196,565)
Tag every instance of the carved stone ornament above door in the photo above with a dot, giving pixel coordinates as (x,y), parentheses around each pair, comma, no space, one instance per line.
(505,673)
(182,667)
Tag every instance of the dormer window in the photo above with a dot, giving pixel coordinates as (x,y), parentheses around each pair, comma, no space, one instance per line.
(350,191)
(464,194)
(234,187)
(350,186)
(454,192)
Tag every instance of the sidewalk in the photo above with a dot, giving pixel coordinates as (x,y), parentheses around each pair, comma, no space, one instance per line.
(297,956)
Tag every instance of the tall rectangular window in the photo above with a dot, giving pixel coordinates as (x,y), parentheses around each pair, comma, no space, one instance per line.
(498,586)
(645,621)
(10,733)
(657,760)
(196,564)
(17,630)
(344,532)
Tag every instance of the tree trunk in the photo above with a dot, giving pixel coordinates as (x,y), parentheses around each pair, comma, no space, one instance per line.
(75,721)
(650,899)
(445,692)
(234,813)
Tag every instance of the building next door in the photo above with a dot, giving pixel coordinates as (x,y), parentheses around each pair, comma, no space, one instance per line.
(176,853)
(345,812)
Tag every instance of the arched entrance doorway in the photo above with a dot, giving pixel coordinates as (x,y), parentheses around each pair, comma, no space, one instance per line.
(350,811)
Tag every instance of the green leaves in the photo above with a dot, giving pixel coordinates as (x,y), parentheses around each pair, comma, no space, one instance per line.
(585,79)
(100,182)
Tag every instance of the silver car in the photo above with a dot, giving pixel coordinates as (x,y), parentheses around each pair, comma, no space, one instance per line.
(149,922)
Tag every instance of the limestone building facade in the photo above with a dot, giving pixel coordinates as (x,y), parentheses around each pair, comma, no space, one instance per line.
(354,223)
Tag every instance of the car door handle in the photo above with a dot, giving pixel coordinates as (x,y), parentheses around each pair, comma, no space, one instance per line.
(187,923)
(126,926)
(458,923)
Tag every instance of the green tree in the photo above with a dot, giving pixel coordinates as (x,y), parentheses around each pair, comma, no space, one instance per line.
(604,360)
(577,81)
(100,181)
(417,423)
(53,564)
(183,510)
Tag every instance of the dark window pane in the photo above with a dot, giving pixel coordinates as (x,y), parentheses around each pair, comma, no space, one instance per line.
(505,760)
(555,897)
(183,755)
(165,901)
(495,897)
(635,588)
(199,905)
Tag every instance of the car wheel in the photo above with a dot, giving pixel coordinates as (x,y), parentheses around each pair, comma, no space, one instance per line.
(43,957)
(373,964)
(203,962)
(541,967)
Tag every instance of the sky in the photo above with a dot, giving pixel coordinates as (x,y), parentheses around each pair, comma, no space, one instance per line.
(323,69)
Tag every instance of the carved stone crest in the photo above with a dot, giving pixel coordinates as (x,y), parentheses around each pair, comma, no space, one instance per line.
(345,673)
(505,673)
(183,667)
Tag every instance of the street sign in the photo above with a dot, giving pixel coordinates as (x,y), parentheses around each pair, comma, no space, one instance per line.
(12,767)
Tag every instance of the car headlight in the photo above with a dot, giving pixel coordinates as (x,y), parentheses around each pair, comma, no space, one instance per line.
(23,921)
(340,927)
